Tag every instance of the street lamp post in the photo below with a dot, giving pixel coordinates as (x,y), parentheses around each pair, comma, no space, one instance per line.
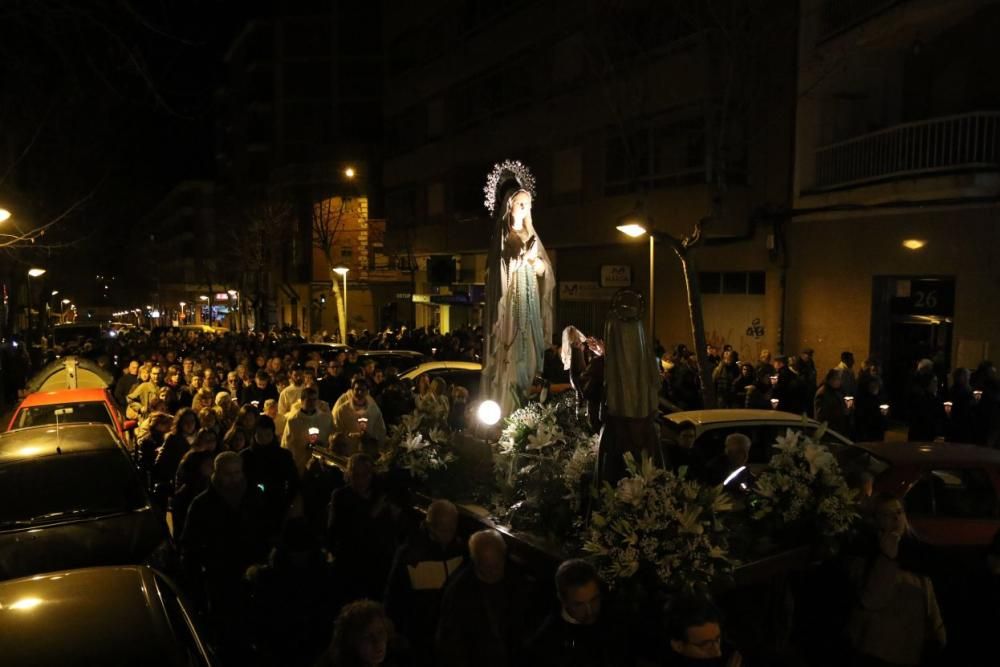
(635,230)
(33,272)
(342,272)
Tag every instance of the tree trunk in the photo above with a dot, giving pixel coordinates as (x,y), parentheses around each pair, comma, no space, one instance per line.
(693,286)
(338,299)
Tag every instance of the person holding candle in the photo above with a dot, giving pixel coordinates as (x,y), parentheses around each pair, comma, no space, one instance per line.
(829,404)
(926,410)
(869,422)
(959,423)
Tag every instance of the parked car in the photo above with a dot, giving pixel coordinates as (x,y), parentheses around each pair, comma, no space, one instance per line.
(98,616)
(950,491)
(463,373)
(761,426)
(401,360)
(71,497)
(326,351)
(69,406)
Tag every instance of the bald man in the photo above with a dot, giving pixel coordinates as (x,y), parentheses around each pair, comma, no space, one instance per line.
(484,612)
(420,570)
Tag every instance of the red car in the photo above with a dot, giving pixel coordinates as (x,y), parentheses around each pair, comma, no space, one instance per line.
(75,405)
(950,491)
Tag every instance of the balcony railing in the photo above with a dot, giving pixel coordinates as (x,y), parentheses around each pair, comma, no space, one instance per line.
(952,143)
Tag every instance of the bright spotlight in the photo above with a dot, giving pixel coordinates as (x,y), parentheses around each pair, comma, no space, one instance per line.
(488,412)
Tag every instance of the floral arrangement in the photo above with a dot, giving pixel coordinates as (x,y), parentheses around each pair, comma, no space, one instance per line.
(420,443)
(663,525)
(803,484)
(541,459)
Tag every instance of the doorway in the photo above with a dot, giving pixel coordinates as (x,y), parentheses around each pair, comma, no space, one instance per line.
(911,320)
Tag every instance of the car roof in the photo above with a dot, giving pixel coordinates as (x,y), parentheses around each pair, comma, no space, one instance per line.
(64,396)
(936,453)
(101,615)
(73,438)
(385,353)
(440,366)
(725,416)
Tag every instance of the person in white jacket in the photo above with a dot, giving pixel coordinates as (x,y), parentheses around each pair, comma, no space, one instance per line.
(357,419)
(306,425)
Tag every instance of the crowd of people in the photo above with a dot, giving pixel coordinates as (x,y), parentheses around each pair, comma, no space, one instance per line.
(294,564)
(290,567)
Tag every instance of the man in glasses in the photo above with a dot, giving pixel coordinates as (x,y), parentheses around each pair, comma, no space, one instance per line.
(694,626)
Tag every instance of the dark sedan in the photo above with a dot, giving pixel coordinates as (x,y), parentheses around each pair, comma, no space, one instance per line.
(950,491)
(70,497)
(108,616)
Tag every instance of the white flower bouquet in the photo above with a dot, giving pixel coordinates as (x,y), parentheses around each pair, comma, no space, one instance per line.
(543,453)
(803,484)
(657,522)
(420,443)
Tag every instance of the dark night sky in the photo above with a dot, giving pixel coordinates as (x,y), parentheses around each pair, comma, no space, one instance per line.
(120,94)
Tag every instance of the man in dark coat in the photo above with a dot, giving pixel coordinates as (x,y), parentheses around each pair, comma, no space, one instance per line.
(420,570)
(222,535)
(483,613)
(788,389)
(271,469)
(579,634)
(260,391)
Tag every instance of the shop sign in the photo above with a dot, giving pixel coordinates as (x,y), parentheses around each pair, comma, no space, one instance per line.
(616,275)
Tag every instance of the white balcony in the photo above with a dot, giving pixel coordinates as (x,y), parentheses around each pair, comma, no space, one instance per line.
(961,143)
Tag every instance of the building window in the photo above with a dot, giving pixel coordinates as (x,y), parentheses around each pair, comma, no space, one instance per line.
(732,282)
(658,154)
(567,171)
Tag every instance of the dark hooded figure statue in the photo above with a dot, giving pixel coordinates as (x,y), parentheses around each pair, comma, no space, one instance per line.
(517,324)
(631,388)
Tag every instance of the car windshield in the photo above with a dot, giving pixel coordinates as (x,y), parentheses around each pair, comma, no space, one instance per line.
(67,486)
(44,415)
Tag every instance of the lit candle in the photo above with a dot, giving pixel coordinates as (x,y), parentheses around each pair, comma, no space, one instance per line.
(884,409)
(978,394)
(849,401)
(947,408)
(774,403)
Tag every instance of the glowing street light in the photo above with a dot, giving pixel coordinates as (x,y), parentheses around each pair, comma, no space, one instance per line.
(35,272)
(914,244)
(633,229)
(203,297)
(54,292)
(349,172)
(4,215)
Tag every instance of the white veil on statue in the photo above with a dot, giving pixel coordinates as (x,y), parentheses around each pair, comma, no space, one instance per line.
(517,322)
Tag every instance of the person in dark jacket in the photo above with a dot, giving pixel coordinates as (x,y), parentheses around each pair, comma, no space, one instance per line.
(360,532)
(222,536)
(807,372)
(926,411)
(260,391)
(829,405)
(193,474)
(581,633)
(422,567)
(484,610)
(159,425)
(960,419)
(126,383)
(725,376)
(271,469)
(182,436)
(869,422)
(744,381)
(788,388)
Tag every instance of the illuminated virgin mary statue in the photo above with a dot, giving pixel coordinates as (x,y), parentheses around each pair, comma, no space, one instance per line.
(517,322)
